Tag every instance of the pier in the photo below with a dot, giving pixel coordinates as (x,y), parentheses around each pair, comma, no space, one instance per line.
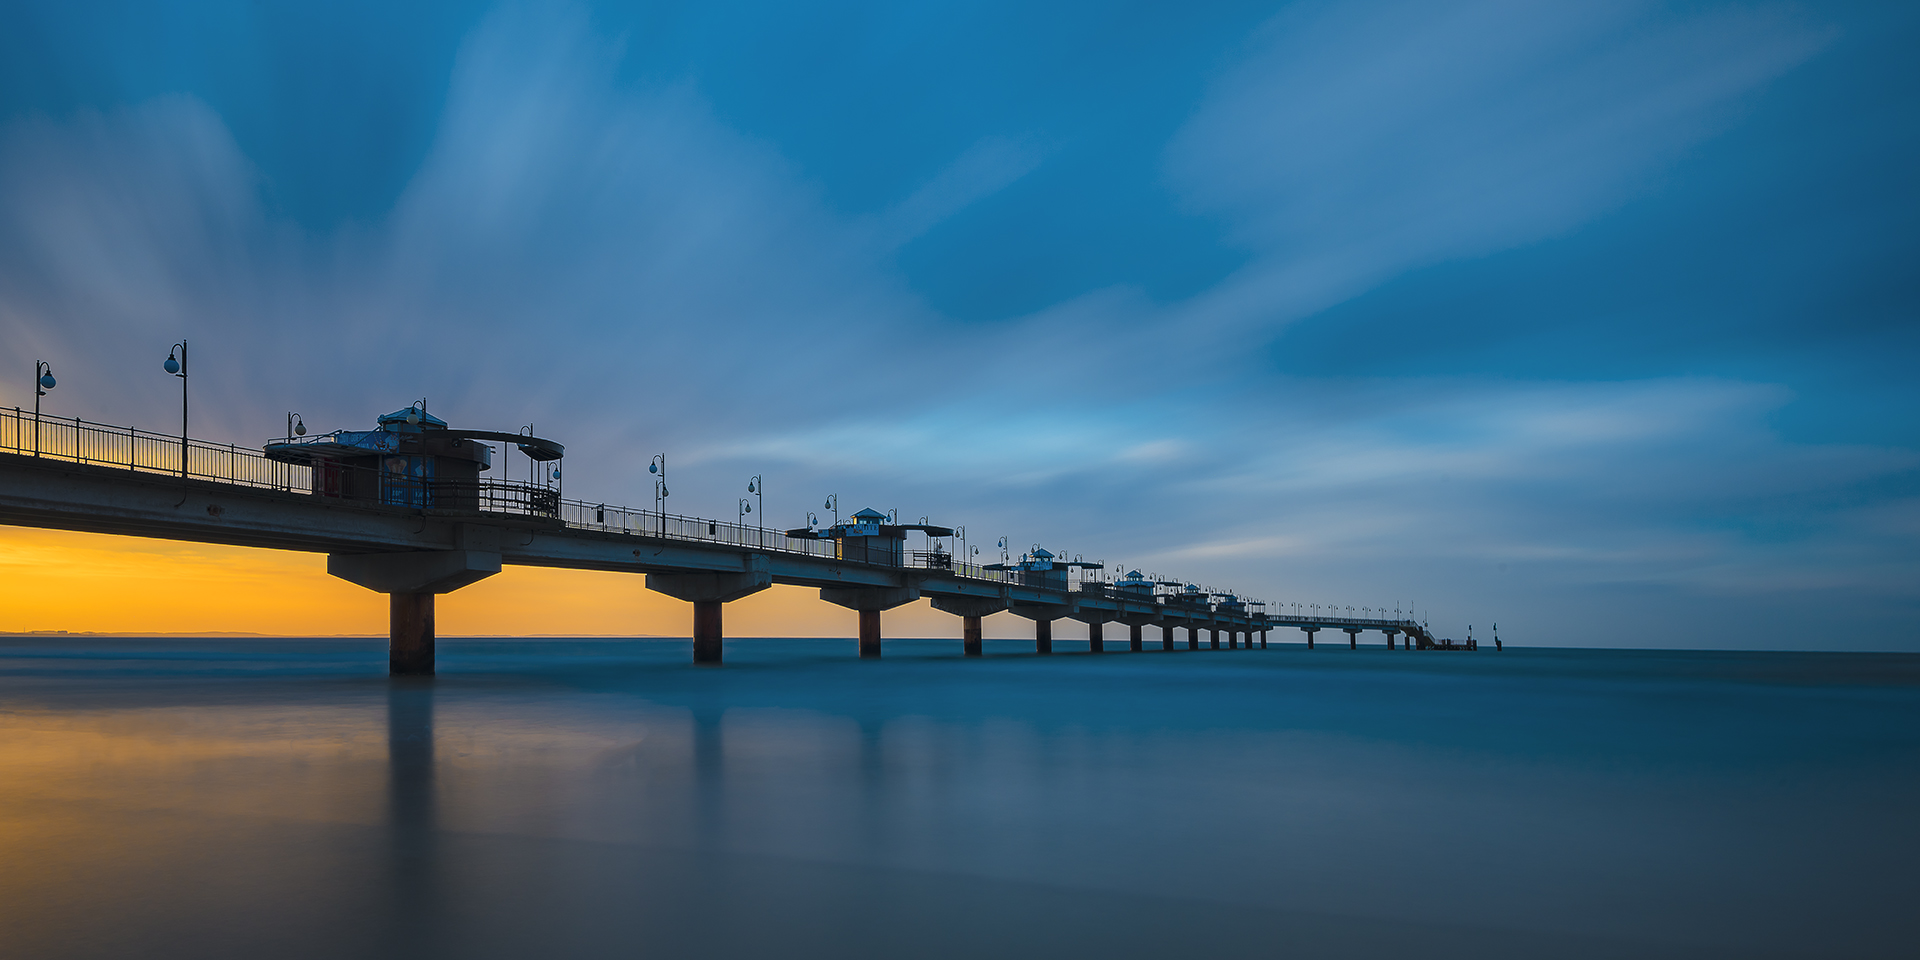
(403,510)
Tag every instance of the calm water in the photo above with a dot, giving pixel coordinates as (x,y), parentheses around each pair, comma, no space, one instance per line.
(166,798)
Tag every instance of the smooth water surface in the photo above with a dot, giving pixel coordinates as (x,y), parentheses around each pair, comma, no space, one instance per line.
(212,798)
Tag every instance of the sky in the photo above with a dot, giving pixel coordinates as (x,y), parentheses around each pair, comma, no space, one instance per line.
(1595,320)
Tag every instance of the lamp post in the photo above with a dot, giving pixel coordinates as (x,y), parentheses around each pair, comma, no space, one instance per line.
(296,427)
(658,467)
(744,507)
(758,488)
(178,367)
(42,382)
(833,503)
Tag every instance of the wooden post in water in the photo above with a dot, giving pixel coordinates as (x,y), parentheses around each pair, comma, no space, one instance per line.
(970,636)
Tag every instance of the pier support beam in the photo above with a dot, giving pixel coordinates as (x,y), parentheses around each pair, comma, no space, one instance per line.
(1309,631)
(1390,635)
(869,601)
(1043,615)
(1213,638)
(1133,637)
(969,610)
(1096,636)
(411,579)
(707,591)
(708,631)
(1353,639)
(410,634)
(1166,637)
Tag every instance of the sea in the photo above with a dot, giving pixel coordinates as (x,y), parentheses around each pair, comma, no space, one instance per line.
(184,798)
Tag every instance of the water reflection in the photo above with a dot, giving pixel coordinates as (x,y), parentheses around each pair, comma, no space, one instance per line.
(283,800)
(412,891)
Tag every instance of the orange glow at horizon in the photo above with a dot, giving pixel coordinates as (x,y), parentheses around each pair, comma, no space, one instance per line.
(97,583)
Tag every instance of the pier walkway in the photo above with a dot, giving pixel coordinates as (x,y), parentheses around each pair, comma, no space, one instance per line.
(413,536)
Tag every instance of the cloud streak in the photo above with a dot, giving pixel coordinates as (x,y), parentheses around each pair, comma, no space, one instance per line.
(609,258)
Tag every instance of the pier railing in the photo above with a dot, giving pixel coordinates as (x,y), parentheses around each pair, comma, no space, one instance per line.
(81,441)
(74,440)
(141,451)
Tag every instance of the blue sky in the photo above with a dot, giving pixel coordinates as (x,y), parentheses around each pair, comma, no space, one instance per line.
(1595,319)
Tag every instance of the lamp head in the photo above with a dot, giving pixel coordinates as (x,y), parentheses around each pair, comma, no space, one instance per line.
(172,365)
(46,381)
(653,468)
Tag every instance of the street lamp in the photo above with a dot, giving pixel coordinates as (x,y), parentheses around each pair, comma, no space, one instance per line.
(833,503)
(296,427)
(740,516)
(658,467)
(758,488)
(178,367)
(42,382)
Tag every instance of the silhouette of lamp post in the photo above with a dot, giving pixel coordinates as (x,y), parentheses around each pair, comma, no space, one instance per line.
(178,367)
(42,382)
(658,467)
(758,488)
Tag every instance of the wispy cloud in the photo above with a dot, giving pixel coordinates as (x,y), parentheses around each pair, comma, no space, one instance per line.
(617,261)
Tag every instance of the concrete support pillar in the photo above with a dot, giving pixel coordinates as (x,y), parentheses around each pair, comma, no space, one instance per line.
(707,592)
(1263,639)
(868,602)
(1309,631)
(970,610)
(410,635)
(1193,638)
(1389,639)
(707,632)
(1097,637)
(1133,637)
(1043,636)
(410,580)
(1213,638)
(1166,637)
(1353,639)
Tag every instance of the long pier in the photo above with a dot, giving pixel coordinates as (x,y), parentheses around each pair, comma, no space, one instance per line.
(413,538)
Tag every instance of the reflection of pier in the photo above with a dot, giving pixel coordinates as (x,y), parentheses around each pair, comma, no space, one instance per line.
(402,509)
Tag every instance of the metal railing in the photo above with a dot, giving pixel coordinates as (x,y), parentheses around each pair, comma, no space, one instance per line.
(140,451)
(80,441)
